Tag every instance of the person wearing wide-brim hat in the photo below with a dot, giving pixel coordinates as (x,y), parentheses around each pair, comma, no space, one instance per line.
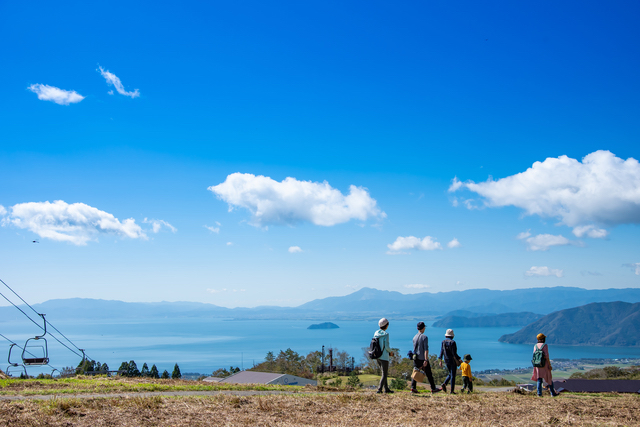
(383,360)
(541,373)
(449,351)
(467,378)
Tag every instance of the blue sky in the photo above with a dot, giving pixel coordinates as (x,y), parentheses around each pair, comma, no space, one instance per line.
(148,121)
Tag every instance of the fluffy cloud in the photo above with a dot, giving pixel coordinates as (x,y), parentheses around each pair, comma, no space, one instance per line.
(416,286)
(157,225)
(454,244)
(523,235)
(602,189)
(3,211)
(292,201)
(76,223)
(635,266)
(213,229)
(295,249)
(411,242)
(590,231)
(112,79)
(543,271)
(542,242)
(54,94)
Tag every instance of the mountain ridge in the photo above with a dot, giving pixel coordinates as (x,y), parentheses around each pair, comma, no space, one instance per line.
(599,324)
(366,303)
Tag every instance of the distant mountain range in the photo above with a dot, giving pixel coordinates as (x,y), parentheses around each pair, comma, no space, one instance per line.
(367,303)
(600,324)
(504,320)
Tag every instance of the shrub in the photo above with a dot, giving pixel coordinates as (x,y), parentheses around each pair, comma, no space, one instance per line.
(353,380)
(398,384)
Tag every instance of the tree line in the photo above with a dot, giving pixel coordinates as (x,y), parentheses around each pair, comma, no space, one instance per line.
(127,369)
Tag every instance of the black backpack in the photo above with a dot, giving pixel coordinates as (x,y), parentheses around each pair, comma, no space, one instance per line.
(374,349)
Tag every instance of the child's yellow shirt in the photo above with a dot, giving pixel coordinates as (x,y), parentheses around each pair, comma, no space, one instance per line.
(466,369)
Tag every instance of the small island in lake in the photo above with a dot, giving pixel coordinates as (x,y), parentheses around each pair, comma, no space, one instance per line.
(325,325)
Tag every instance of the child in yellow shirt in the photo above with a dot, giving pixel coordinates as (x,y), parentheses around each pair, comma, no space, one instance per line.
(467,379)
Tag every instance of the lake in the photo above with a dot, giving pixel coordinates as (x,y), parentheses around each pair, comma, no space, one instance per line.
(205,345)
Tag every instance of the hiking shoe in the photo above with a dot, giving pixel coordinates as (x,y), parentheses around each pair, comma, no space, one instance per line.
(414,391)
(389,391)
(453,392)
(436,390)
(444,388)
(379,392)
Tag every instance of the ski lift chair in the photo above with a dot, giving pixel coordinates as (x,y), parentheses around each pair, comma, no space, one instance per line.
(35,360)
(13,365)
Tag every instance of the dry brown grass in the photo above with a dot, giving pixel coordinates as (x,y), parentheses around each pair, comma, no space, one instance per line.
(355,409)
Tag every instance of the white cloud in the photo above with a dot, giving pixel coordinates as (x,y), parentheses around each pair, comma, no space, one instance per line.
(216,291)
(542,242)
(3,211)
(229,243)
(54,94)
(543,271)
(417,286)
(213,229)
(295,249)
(454,244)
(112,79)
(411,242)
(157,225)
(455,184)
(292,201)
(635,266)
(602,189)
(523,235)
(590,231)
(76,223)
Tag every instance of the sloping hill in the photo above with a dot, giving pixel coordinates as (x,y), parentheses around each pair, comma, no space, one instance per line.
(606,324)
(504,320)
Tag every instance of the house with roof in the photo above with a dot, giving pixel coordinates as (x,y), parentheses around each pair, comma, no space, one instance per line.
(252,377)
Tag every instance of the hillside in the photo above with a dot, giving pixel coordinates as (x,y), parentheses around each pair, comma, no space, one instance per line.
(605,324)
(174,402)
(505,320)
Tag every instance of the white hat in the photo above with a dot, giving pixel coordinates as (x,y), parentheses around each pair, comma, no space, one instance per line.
(449,333)
(382,322)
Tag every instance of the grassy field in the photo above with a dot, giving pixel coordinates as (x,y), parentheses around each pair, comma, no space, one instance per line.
(317,409)
(84,385)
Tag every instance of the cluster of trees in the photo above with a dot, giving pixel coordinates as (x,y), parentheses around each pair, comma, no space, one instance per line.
(130,369)
(90,366)
(291,362)
(224,373)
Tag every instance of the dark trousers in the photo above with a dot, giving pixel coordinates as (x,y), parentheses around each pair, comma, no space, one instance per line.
(417,363)
(451,367)
(467,384)
(384,366)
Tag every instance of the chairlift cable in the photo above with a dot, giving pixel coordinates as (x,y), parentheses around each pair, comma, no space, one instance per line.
(34,310)
(36,323)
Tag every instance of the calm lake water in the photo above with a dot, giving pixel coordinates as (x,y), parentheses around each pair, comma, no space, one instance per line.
(205,345)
